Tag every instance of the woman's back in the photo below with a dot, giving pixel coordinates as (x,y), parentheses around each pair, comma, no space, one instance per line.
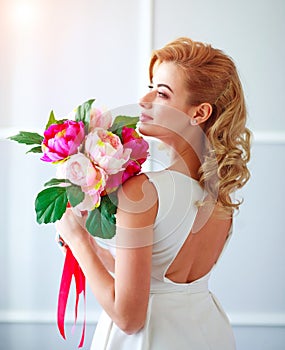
(202,247)
(187,239)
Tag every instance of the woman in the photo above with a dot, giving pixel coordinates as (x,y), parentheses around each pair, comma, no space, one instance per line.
(172,225)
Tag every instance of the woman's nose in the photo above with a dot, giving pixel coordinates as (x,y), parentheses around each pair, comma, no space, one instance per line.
(146,100)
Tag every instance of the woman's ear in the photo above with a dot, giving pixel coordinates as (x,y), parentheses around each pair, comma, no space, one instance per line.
(201,113)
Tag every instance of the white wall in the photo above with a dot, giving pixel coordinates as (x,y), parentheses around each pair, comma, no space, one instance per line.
(71,51)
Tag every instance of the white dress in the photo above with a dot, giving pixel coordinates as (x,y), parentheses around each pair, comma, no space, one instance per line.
(180,316)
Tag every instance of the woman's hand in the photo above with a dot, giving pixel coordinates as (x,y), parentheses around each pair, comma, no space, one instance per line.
(71,228)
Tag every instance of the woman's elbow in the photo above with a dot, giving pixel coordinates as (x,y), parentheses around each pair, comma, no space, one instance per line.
(131,326)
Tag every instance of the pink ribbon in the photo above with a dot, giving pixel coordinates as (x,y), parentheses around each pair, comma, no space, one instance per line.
(71,268)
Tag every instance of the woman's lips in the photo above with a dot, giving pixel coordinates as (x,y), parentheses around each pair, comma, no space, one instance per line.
(145,118)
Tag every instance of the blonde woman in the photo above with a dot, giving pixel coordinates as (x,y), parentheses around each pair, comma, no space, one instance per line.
(172,225)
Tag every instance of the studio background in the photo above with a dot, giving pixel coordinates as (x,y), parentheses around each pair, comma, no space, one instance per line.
(57,54)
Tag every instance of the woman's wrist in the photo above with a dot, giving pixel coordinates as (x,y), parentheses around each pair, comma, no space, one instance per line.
(78,238)
(80,245)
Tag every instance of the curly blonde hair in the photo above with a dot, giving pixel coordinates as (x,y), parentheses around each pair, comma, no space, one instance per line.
(211,76)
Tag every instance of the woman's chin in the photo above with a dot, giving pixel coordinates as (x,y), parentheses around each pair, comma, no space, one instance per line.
(144,129)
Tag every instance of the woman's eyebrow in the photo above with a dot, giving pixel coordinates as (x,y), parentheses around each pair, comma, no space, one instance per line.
(164,85)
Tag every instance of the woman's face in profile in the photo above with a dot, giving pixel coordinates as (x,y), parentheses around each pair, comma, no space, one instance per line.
(164,108)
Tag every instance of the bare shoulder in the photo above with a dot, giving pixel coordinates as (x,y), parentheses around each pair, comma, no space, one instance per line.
(137,191)
(138,197)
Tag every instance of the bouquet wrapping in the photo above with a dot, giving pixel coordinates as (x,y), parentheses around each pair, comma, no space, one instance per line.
(94,155)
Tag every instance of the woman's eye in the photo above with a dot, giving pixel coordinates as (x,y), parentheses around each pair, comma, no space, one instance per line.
(162,94)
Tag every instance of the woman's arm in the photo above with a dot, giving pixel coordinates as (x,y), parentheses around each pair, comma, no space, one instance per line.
(104,255)
(124,298)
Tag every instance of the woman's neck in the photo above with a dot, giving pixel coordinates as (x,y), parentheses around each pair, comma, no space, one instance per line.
(186,151)
(186,162)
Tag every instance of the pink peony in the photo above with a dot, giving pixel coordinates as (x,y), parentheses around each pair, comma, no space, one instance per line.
(99,119)
(79,170)
(62,140)
(106,150)
(88,203)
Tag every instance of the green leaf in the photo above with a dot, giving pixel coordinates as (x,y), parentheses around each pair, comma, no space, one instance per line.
(121,121)
(37,149)
(101,222)
(54,182)
(51,120)
(83,112)
(74,195)
(28,138)
(50,204)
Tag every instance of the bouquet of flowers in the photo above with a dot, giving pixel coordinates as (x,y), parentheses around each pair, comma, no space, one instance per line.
(94,155)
